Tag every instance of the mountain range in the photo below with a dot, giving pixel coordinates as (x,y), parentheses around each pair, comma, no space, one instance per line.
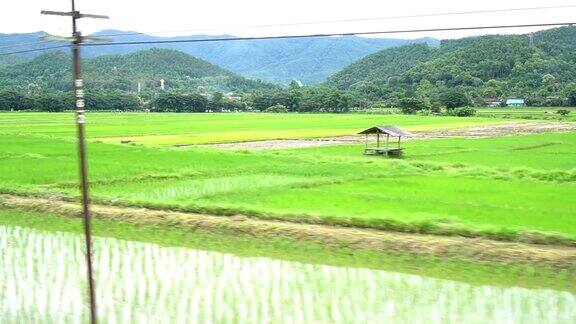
(308,60)
(539,65)
(180,71)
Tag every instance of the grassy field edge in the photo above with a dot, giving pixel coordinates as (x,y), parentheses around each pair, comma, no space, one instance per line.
(427,227)
(458,248)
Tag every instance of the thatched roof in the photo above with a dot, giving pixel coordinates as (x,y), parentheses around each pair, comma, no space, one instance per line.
(390,130)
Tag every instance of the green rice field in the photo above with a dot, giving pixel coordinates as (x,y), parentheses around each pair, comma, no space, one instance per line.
(510,188)
(181,129)
(528,113)
(497,187)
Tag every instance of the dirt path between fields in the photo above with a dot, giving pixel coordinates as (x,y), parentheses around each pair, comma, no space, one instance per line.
(502,129)
(477,250)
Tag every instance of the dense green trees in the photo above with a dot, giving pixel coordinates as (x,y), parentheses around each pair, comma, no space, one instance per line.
(51,72)
(488,67)
(571,94)
(52,102)
(382,67)
(60,101)
(462,112)
(454,98)
(411,105)
(179,102)
(303,99)
(12,100)
(112,100)
(55,101)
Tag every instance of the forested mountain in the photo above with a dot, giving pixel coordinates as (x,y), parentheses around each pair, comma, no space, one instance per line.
(379,67)
(52,72)
(11,60)
(308,60)
(482,67)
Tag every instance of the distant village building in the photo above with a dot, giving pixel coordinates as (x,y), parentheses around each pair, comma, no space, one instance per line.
(515,103)
(492,102)
(162,84)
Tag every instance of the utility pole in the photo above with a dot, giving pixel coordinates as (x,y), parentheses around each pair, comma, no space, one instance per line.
(76,40)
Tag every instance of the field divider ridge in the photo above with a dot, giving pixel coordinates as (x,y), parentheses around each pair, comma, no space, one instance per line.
(472,249)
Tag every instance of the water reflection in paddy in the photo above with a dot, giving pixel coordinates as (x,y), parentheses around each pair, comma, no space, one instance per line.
(42,280)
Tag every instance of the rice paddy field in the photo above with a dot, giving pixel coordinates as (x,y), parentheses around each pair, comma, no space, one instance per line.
(148,283)
(509,189)
(528,112)
(181,129)
(497,186)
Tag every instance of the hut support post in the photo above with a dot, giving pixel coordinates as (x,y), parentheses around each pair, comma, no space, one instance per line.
(366,142)
(399,138)
(387,139)
(377,140)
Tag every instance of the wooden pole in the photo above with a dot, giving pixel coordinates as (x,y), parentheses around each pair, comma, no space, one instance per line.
(80,122)
(399,141)
(377,140)
(82,156)
(387,139)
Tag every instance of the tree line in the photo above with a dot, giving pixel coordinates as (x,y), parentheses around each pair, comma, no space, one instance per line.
(292,99)
(61,101)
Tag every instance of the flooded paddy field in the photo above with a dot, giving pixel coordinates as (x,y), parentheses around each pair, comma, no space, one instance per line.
(42,280)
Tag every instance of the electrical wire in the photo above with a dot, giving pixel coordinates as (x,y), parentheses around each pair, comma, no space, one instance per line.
(26,44)
(401,31)
(318,22)
(224,39)
(353,20)
(34,50)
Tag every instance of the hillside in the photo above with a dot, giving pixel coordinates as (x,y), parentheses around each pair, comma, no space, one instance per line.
(379,67)
(308,60)
(52,71)
(11,60)
(487,66)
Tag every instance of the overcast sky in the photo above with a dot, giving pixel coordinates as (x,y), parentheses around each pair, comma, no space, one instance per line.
(236,17)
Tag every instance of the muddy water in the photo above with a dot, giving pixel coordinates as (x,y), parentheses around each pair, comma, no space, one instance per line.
(41,281)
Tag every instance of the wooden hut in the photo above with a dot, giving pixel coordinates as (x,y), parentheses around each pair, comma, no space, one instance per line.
(387,148)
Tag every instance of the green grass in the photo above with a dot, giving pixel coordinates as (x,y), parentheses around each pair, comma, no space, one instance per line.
(181,129)
(554,151)
(528,113)
(504,188)
(412,203)
(418,199)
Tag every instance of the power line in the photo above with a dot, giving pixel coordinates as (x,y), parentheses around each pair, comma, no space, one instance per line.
(35,50)
(456,13)
(318,22)
(43,41)
(384,32)
(401,31)
(25,44)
